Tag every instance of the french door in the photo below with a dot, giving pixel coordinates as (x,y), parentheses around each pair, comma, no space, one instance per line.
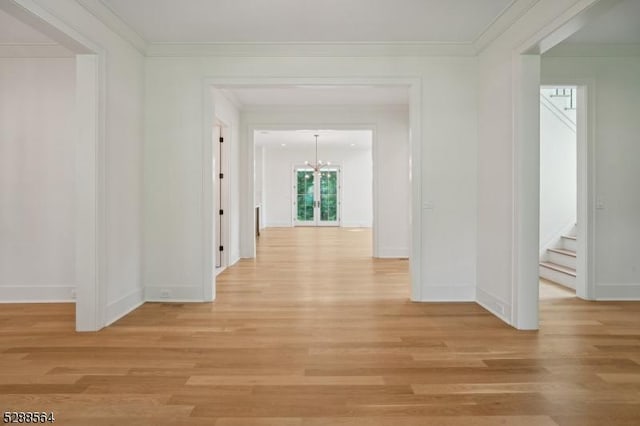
(316,200)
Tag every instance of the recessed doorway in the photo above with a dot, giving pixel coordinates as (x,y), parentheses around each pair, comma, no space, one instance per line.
(388,107)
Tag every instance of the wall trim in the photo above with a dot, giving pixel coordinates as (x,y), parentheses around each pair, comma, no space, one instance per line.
(278,225)
(510,14)
(613,292)
(115,23)
(496,306)
(448,293)
(37,293)
(337,49)
(393,252)
(233,260)
(123,306)
(191,293)
(594,50)
(355,225)
(328,108)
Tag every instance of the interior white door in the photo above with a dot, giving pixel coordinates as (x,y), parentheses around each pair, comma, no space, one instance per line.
(217,195)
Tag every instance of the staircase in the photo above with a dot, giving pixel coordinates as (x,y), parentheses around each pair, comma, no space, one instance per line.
(559,264)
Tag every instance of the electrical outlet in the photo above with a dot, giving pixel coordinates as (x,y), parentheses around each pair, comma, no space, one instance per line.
(73,293)
(165,294)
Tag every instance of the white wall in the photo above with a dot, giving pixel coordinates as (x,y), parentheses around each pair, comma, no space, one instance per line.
(174,142)
(123,142)
(37,160)
(558,174)
(391,158)
(258,190)
(356,208)
(617,166)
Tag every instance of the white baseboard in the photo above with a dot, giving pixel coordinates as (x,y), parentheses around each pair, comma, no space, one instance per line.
(234,259)
(355,225)
(37,294)
(497,307)
(393,252)
(173,294)
(124,305)
(618,292)
(278,225)
(448,293)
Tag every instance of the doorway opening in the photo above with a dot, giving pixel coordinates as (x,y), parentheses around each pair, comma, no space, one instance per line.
(300,184)
(389,108)
(558,191)
(63,92)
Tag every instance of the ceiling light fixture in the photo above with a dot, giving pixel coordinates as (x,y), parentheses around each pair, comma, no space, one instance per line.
(319,164)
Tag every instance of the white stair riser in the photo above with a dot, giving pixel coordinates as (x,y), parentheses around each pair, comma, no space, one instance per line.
(558,277)
(569,244)
(562,259)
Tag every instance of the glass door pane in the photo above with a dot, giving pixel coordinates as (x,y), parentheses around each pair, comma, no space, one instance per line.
(329,197)
(305,196)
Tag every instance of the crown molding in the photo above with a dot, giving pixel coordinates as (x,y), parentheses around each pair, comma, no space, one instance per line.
(325,108)
(310,49)
(594,50)
(37,50)
(231,97)
(115,23)
(509,16)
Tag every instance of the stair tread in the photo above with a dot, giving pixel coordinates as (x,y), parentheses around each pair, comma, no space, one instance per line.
(563,251)
(570,237)
(559,268)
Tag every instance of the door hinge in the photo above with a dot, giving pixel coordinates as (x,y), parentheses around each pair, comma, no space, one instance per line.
(221,248)
(221,175)
(221,212)
(221,139)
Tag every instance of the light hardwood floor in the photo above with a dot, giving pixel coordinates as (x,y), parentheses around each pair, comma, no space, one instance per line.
(316,333)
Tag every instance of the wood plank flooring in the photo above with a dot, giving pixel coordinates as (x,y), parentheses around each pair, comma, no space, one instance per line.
(317,333)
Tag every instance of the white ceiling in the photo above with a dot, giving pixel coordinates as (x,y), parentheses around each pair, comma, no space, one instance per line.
(318,95)
(13,31)
(621,24)
(356,139)
(225,21)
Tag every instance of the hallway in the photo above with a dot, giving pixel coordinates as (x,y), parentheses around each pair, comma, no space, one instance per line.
(315,332)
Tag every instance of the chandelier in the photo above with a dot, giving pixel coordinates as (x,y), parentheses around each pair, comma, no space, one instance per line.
(318,164)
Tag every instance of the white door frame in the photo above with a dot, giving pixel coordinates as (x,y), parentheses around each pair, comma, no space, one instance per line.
(526,82)
(247,177)
(294,196)
(90,221)
(225,129)
(585,149)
